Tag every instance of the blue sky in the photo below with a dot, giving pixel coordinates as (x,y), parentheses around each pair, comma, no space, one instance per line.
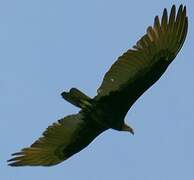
(51,46)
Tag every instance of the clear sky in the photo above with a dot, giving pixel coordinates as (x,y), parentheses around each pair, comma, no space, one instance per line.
(50,46)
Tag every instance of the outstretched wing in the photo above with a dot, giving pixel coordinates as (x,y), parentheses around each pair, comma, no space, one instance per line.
(61,140)
(150,57)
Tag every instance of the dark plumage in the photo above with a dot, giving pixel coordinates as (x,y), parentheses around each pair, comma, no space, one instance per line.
(128,78)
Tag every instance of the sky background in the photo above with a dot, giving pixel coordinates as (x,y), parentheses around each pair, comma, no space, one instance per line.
(50,46)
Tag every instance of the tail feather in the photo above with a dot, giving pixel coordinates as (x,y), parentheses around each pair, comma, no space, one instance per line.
(76,97)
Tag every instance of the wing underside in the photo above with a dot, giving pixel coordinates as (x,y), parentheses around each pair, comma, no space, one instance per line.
(162,42)
(61,140)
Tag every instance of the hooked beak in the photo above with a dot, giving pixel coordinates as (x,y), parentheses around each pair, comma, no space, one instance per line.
(125,127)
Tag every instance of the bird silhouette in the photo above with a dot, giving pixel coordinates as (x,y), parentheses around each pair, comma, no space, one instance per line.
(128,78)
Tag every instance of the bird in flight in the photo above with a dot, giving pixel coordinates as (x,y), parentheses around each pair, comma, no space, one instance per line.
(128,78)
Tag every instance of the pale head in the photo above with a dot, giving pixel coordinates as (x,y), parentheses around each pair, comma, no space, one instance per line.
(125,127)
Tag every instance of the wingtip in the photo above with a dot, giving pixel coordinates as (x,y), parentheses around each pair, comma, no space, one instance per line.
(17,153)
(12,163)
(185,9)
(173,9)
(15,160)
(165,11)
(173,6)
(181,6)
(15,164)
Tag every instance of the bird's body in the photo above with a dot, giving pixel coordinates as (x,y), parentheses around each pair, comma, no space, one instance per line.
(120,105)
(128,78)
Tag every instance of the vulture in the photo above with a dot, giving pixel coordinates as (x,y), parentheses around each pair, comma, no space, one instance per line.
(127,79)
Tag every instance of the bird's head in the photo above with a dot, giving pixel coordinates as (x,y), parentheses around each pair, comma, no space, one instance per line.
(125,127)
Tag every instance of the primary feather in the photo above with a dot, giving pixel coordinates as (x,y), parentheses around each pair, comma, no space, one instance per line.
(60,140)
(128,78)
(160,44)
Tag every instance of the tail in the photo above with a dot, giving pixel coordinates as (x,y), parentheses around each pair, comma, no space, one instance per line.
(77,98)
